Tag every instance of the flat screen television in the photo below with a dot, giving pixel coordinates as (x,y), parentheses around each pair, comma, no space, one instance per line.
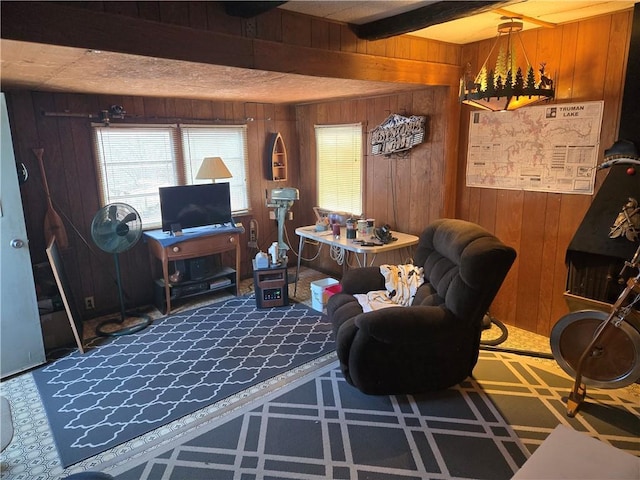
(195,205)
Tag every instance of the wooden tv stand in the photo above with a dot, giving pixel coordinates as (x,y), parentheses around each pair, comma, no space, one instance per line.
(190,246)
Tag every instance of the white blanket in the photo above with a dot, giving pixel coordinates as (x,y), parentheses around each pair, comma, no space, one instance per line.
(401,283)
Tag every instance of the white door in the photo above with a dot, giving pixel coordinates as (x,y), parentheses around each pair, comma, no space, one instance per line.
(21,345)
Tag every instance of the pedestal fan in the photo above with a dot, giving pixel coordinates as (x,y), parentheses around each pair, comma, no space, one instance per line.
(116,228)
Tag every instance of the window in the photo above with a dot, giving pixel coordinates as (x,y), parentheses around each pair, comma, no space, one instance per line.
(226,142)
(135,160)
(339,157)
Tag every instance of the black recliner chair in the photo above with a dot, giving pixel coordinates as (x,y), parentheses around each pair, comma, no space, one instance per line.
(434,343)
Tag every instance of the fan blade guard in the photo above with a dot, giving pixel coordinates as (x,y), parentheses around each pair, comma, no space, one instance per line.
(116,227)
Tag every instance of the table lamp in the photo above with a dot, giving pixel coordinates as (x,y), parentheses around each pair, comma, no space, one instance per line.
(213,168)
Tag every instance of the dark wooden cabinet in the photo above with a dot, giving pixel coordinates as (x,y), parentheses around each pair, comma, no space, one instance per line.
(192,248)
(220,278)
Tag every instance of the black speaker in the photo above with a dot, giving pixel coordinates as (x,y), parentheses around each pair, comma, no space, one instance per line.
(198,268)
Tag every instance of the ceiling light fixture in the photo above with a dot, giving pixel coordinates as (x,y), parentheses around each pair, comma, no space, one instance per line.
(507,86)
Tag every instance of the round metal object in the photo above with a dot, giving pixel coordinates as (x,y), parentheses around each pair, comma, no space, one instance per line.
(614,361)
(510,26)
(17,243)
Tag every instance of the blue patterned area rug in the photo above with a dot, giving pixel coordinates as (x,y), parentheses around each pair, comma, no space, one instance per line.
(178,365)
(319,427)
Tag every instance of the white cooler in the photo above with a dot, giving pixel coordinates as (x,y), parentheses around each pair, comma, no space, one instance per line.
(318,298)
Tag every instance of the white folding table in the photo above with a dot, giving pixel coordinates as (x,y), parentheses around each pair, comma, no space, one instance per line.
(403,240)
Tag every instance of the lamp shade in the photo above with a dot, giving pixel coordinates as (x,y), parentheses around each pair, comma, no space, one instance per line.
(213,168)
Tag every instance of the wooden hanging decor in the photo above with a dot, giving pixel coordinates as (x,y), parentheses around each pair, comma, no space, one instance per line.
(278,158)
(53,225)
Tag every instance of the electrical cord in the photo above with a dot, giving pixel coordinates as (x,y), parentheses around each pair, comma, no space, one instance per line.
(337,254)
(254,227)
(393,191)
(528,353)
(504,333)
(298,254)
(492,345)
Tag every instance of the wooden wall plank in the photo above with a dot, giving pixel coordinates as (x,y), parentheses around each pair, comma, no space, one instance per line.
(617,51)
(548,221)
(588,68)
(176,13)
(197,15)
(588,80)
(403,47)
(572,210)
(437,192)
(547,51)
(507,228)
(296,29)
(269,25)
(379,182)
(568,63)
(33,198)
(529,265)
(148,11)
(419,49)
(217,21)
(376,47)
(335,32)
(319,34)
(550,249)
(401,181)
(121,8)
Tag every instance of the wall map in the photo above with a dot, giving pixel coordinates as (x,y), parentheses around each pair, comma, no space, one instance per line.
(551,148)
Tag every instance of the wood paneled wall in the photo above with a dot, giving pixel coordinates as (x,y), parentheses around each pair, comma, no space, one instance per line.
(71,173)
(587,60)
(276,41)
(406,191)
(201,31)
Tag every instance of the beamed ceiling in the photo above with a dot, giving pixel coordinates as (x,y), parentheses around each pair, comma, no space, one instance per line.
(39,66)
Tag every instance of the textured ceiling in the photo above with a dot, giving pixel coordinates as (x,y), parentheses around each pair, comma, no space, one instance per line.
(65,69)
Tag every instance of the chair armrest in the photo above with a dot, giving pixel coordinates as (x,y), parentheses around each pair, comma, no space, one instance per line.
(362,280)
(406,325)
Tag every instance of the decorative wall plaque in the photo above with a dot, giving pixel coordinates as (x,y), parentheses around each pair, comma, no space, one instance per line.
(397,133)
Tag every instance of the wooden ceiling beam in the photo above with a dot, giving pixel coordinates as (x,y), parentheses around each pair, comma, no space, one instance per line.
(506,13)
(423,17)
(55,24)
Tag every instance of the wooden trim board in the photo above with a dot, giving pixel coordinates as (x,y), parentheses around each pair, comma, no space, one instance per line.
(65,292)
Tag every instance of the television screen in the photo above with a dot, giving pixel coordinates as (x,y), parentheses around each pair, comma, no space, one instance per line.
(195,205)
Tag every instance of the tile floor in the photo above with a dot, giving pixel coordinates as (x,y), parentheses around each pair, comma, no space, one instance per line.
(32,454)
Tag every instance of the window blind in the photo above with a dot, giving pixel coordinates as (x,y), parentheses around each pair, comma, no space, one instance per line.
(132,163)
(339,160)
(227,142)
